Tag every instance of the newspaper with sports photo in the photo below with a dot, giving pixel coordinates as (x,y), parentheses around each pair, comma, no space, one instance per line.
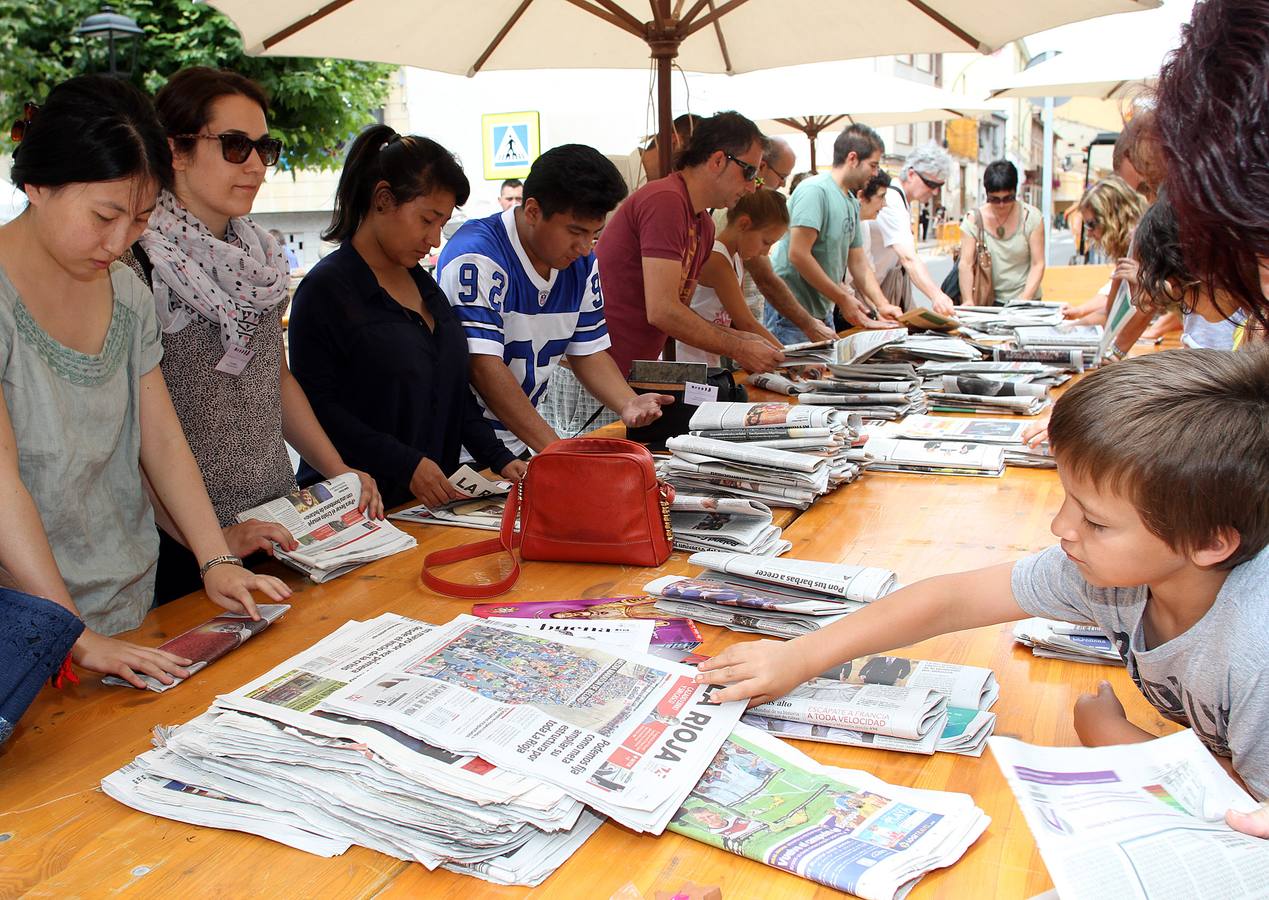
(1142,821)
(762,799)
(334,536)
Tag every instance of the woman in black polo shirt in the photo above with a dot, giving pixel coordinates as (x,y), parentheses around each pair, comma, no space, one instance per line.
(373,341)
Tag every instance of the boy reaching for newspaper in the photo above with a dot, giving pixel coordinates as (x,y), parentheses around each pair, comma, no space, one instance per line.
(1164,527)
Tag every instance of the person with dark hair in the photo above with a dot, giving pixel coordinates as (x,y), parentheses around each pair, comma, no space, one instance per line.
(1211,118)
(651,254)
(644,163)
(825,242)
(525,286)
(1164,545)
(220,284)
(1014,234)
(86,417)
(373,340)
(511,193)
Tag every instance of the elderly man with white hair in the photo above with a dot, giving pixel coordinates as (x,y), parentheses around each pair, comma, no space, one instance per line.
(888,238)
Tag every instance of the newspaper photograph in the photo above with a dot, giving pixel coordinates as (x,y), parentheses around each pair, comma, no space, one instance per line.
(895,711)
(863,344)
(716,415)
(749,596)
(334,536)
(992,387)
(947,428)
(860,583)
(1140,821)
(210,641)
(625,733)
(700,522)
(965,733)
(972,687)
(762,799)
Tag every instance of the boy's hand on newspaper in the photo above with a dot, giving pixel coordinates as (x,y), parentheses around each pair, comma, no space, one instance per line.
(109,656)
(371,501)
(644,408)
(231,587)
(514,470)
(254,534)
(1254,823)
(1100,717)
(431,486)
(759,671)
(1036,433)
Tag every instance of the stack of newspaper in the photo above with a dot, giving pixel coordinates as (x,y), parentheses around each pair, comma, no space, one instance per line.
(482,508)
(935,457)
(1143,820)
(947,401)
(762,799)
(890,703)
(334,537)
(471,745)
(1051,639)
(853,348)
(868,390)
(924,345)
(776,453)
(1002,320)
(780,597)
(1069,360)
(1084,338)
(1033,372)
(1005,433)
(725,523)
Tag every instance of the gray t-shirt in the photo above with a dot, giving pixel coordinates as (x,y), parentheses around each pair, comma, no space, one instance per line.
(77,422)
(1212,678)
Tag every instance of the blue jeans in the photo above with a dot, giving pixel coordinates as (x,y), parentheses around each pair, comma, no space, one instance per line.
(783,329)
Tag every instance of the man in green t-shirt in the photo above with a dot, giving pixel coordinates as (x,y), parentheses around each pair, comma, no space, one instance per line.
(825,242)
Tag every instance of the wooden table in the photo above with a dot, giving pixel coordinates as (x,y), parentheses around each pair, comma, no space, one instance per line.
(60,836)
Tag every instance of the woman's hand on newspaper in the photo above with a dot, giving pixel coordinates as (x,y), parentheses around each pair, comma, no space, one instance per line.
(431,486)
(247,537)
(644,408)
(759,671)
(371,501)
(1036,433)
(231,587)
(514,470)
(1254,823)
(109,656)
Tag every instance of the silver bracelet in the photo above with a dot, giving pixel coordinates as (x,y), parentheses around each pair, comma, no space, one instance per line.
(217,561)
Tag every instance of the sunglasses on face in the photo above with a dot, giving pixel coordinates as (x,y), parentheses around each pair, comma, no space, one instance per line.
(235,148)
(1008,198)
(748,171)
(18,131)
(929,182)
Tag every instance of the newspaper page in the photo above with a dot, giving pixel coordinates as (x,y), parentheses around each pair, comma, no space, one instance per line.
(863,344)
(1139,821)
(972,687)
(777,384)
(729,523)
(774,622)
(762,799)
(1051,639)
(860,583)
(210,641)
(680,634)
(749,596)
(716,415)
(885,709)
(334,536)
(965,733)
(936,457)
(745,453)
(993,387)
(947,428)
(627,734)
(482,513)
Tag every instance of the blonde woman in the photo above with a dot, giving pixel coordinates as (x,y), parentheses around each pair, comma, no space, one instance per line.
(1110,210)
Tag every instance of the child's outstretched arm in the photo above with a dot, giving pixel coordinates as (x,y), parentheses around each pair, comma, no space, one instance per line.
(764,670)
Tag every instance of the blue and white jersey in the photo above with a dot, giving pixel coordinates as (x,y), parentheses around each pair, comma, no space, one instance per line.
(507,309)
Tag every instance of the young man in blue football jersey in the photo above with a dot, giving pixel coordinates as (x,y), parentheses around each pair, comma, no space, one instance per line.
(526,288)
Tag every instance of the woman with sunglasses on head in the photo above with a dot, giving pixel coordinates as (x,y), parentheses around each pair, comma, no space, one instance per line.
(86,415)
(373,339)
(1110,210)
(1014,234)
(220,285)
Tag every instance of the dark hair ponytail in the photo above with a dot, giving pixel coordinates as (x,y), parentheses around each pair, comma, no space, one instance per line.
(92,128)
(412,166)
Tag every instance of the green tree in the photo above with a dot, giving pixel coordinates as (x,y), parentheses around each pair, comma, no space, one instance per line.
(317,104)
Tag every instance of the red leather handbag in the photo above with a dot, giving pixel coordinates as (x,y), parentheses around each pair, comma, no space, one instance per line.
(582,500)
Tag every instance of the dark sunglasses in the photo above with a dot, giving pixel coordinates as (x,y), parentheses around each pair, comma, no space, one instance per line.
(929,182)
(748,171)
(235,148)
(1008,199)
(18,131)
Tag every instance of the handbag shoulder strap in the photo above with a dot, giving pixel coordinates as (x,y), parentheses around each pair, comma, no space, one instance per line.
(506,542)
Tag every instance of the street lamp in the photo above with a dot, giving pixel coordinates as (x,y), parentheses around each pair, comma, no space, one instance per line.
(121,34)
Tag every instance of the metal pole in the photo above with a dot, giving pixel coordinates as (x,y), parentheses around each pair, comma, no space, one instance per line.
(1047,175)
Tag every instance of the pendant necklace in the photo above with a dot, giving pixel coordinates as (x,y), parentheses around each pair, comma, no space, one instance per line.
(1000,231)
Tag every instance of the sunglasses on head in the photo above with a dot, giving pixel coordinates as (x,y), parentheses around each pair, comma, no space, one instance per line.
(748,171)
(929,182)
(1006,199)
(18,131)
(235,147)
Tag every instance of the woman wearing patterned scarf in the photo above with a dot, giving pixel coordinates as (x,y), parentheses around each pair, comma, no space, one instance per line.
(220,287)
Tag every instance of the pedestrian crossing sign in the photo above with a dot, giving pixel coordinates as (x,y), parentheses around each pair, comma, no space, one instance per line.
(510,142)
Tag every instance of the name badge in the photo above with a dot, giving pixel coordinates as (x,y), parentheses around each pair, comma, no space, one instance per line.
(235,360)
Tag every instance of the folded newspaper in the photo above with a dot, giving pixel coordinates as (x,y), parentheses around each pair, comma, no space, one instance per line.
(762,799)
(1005,433)
(482,509)
(725,523)
(210,641)
(1140,820)
(933,457)
(680,634)
(334,537)
(1051,639)
(891,710)
(862,584)
(964,733)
